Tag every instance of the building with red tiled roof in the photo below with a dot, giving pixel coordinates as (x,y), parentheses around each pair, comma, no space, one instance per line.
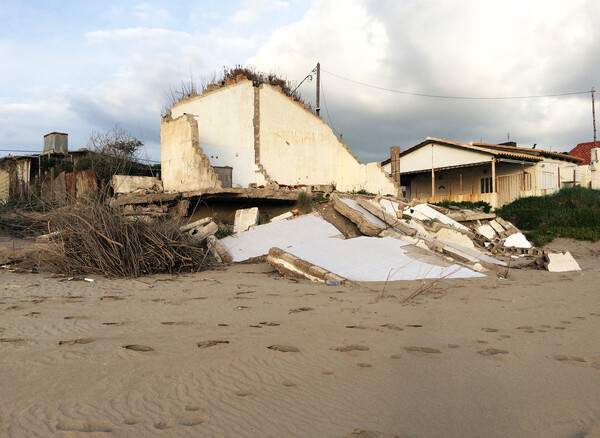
(584,151)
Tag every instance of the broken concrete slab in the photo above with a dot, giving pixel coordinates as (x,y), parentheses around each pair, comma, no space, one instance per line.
(258,241)
(496,226)
(425,212)
(487,231)
(561,262)
(374,259)
(245,219)
(291,266)
(391,220)
(197,232)
(452,235)
(217,250)
(286,215)
(517,240)
(129,184)
(393,207)
(366,222)
(469,215)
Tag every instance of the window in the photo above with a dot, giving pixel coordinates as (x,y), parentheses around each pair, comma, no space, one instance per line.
(486,185)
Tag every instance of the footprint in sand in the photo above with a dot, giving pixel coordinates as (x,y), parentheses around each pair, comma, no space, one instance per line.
(12,340)
(327,372)
(505,336)
(33,314)
(559,328)
(414,325)
(565,322)
(211,343)
(579,317)
(284,348)
(492,352)
(365,433)
(165,424)
(112,323)
(422,350)
(77,341)
(563,358)
(364,365)
(137,347)
(223,325)
(482,342)
(176,323)
(75,317)
(489,330)
(289,384)
(526,329)
(130,421)
(353,347)
(270,324)
(191,419)
(86,426)
(452,346)
(301,309)
(242,393)
(360,327)
(111,298)
(396,356)
(192,408)
(392,327)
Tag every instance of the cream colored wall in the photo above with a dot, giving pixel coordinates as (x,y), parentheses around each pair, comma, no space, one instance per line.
(297,147)
(184,166)
(225,127)
(443,156)
(590,178)
(4,185)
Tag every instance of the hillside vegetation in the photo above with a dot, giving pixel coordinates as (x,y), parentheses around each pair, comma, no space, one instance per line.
(571,212)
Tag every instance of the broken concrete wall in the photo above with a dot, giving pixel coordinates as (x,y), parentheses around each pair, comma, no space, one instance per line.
(297,147)
(184,165)
(225,128)
(129,183)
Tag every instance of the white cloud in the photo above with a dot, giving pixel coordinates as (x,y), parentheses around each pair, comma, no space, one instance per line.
(254,9)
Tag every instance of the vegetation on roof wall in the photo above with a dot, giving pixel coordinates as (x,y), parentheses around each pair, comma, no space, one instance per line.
(571,212)
(194,87)
(479,205)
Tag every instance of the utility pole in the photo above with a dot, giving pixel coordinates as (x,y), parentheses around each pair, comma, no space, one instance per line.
(593,115)
(318,109)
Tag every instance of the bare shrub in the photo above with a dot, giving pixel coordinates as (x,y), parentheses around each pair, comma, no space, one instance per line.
(95,239)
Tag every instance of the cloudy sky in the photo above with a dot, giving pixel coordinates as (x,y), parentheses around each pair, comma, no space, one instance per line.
(75,66)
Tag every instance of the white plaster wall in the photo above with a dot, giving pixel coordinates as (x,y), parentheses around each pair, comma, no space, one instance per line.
(225,127)
(590,178)
(443,156)
(297,147)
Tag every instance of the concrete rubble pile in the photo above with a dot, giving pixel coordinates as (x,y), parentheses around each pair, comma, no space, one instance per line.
(401,240)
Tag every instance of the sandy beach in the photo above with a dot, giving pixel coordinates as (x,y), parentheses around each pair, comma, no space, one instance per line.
(242,351)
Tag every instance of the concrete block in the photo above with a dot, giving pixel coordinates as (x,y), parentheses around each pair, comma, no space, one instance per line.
(517,240)
(561,262)
(291,266)
(286,215)
(366,222)
(218,251)
(198,231)
(487,231)
(496,226)
(245,219)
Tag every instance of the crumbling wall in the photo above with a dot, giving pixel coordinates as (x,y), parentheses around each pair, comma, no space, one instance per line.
(184,165)
(297,147)
(225,127)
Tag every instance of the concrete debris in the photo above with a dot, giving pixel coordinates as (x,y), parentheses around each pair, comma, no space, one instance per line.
(487,231)
(129,184)
(245,219)
(561,262)
(517,240)
(425,212)
(217,250)
(366,222)
(376,259)
(291,266)
(197,232)
(281,234)
(391,220)
(469,215)
(286,215)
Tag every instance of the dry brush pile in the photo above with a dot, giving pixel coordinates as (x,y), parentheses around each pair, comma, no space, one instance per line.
(96,239)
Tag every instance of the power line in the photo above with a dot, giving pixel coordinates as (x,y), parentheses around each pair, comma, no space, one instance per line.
(17,150)
(437,96)
(327,110)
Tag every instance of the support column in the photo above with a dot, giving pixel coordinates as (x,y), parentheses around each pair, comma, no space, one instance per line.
(493,183)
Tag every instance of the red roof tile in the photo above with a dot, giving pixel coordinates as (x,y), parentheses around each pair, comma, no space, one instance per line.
(584,151)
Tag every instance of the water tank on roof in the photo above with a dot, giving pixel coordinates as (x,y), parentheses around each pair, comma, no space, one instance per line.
(56,142)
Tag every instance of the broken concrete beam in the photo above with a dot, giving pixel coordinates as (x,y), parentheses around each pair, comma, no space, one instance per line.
(561,262)
(218,251)
(510,228)
(392,206)
(245,219)
(286,215)
(291,266)
(198,231)
(447,234)
(425,212)
(392,220)
(366,222)
(469,215)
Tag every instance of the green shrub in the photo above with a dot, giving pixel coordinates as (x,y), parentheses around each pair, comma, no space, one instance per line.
(481,205)
(304,202)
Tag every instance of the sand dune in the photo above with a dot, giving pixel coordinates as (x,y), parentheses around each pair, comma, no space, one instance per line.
(244,352)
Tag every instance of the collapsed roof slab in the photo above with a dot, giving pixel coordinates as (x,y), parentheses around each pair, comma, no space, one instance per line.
(375,259)
(282,234)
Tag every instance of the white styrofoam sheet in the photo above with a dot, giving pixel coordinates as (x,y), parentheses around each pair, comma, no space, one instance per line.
(281,234)
(373,259)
